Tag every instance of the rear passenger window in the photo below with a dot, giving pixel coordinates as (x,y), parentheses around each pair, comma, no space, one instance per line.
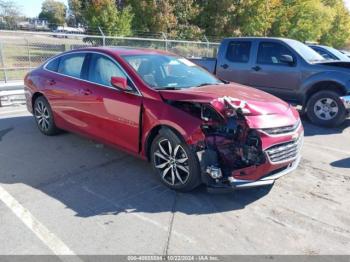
(71,65)
(53,65)
(238,51)
(270,53)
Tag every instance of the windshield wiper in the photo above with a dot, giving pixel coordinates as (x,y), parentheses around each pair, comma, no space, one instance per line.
(209,84)
(205,84)
(168,88)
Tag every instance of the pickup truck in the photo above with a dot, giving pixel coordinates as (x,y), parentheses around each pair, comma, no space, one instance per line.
(289,70)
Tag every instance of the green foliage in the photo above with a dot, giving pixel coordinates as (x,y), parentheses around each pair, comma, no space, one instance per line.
(104,14)
(153,16)
(54,12)
(304,20)
(339,31)
(219,18)
(324,21)
(75,16)
(186,12)
(256,17)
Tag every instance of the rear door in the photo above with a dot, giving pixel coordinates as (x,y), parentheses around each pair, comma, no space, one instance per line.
(234,61)
(270,74)
(113,115)
(64,89)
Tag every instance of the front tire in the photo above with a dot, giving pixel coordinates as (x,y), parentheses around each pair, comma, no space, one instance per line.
(44,117)
(175,163)
(326,109)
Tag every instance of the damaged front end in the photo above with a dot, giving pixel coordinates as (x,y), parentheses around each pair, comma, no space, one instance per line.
(235,154)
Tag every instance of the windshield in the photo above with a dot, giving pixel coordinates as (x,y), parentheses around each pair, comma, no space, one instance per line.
(169,72)
(337,53)
(305,51)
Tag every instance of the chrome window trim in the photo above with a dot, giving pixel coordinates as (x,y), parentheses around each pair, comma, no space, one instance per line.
(138,93)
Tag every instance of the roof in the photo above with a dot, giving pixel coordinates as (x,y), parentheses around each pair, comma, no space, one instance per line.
(116,50)
(259,38)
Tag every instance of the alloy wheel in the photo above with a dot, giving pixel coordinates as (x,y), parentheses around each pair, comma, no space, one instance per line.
(326,108)
(42,116)
(172,163)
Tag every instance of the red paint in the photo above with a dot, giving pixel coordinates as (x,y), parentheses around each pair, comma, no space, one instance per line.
(113,116)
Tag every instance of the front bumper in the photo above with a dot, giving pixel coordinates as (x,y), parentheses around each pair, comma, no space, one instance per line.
(269,179)
(346,101)
(266,180)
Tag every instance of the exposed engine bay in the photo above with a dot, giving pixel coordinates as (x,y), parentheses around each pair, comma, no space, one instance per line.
(229,145)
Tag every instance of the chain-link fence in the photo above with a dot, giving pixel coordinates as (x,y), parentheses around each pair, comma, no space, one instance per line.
(23,51)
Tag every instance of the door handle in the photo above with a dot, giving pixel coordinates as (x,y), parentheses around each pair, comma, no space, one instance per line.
(51,82)
(224,66)
(256,68)
(85,92)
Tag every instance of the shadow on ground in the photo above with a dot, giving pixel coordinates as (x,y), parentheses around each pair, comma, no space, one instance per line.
(312,130)
(343,163)
(92,179)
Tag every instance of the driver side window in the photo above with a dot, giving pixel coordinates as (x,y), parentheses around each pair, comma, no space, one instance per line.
(102,69)
(270,53)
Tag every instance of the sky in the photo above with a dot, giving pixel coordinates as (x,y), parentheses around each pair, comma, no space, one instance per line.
(347,3)
(31,8)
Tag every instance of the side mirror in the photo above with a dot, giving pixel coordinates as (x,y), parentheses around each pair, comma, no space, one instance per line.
(287,59)
(120,83)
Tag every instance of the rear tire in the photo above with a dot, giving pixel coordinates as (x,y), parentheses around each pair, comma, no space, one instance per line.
(326,109)
(175,163)
(44,117)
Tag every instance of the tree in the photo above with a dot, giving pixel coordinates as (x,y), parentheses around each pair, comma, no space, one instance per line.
(153,16)
(104,14)
(339,31)
(54,12)
(176,18)
(255,17)
(10,11)
(186,12)
(75,14)
(304,20)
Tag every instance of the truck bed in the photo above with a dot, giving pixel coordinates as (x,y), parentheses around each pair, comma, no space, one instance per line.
(208,63)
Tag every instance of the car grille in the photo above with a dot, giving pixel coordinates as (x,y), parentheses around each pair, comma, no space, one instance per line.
(282,130)
(285,151)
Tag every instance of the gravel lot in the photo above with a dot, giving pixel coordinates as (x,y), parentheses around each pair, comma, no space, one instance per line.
(67,194)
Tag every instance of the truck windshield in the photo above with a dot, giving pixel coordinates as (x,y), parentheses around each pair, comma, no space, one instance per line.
(337,53)
(305,51)
(169,72)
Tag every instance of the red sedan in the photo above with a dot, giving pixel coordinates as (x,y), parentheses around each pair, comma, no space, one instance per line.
(191,126)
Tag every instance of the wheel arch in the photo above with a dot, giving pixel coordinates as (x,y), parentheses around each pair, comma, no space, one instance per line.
(152,135)
(322,86)
(35,96)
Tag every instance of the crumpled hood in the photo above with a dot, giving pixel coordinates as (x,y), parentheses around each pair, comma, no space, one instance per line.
(256,101)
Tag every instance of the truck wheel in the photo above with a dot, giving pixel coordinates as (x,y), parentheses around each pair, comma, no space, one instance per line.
(326,109)
(175,163)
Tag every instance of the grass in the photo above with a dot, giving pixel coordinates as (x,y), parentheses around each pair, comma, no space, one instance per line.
(13,75)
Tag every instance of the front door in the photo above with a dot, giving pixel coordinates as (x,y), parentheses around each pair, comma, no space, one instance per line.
(114,115)
(272,75)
